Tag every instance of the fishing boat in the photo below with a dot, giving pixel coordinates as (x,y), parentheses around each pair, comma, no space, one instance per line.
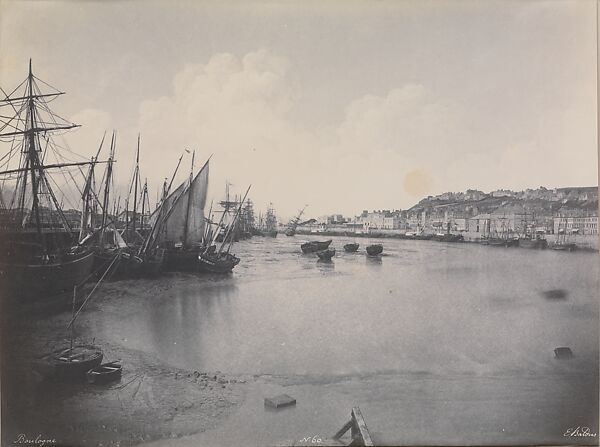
(39,252)
(351,247)
(104,373)
(562,243)
(374,250)
(326,255)
(220,260)
(179,223)
(270,227)
(73,362)
(294,222)
(315,246)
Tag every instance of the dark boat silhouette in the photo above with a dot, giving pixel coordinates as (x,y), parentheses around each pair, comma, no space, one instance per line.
(375,249)
(315,246)
(326,255)
(351,247)
(105,373)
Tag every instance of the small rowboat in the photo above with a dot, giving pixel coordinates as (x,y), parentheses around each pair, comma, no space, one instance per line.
(375,249)
(72,363)
(107,372)
(351,248)
(315,246)
(326,255)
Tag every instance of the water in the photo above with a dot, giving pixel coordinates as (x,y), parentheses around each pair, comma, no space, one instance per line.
(426,328)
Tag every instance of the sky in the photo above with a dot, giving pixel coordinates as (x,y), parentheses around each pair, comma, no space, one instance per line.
(343,106)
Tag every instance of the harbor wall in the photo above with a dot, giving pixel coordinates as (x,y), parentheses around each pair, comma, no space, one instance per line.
(583,241)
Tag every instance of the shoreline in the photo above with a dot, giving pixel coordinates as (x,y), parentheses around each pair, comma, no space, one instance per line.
(153,400)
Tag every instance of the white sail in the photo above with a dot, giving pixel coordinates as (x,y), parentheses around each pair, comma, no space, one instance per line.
(185,220)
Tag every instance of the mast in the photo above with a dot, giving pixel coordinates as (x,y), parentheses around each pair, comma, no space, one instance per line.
(33,160)
(144,200)
(136,177)
(107,189)
(188,204)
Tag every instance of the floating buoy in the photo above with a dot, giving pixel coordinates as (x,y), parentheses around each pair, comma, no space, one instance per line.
(563,353)
(282,400)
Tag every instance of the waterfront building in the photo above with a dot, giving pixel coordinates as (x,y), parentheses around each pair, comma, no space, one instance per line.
(576,225)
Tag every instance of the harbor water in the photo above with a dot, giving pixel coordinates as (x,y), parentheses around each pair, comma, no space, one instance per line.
(438,343)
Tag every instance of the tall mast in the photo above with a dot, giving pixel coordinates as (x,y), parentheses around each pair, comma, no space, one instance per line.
(189,203)
(107,189)
(136,177)
(33,159)
(144,200)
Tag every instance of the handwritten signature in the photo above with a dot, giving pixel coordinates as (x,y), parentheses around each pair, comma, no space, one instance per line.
(580,431)
(37,441)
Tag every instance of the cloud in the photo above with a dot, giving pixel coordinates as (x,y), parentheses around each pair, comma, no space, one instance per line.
(386,151)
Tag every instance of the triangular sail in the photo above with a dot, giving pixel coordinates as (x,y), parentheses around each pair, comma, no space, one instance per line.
(184,222)
(195,212)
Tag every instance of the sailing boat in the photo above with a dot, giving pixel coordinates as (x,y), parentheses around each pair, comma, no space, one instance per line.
(107,239)
(180,223)
(220,260)
(270,227)
(39,254)
(562,243)
(291,226)
(531,240)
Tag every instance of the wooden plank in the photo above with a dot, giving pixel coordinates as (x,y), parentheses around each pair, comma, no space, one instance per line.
(361,425)
(343,430)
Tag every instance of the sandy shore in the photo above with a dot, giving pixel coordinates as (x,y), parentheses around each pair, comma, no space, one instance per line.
(152,401)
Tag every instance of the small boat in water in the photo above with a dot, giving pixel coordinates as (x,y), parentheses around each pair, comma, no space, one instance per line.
(326,255)
(315,246)
(215,262)
(351,247)
(537,243)
(73,362)
(375,249)
(105,373)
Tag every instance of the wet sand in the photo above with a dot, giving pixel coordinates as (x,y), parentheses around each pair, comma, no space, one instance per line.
(153,400)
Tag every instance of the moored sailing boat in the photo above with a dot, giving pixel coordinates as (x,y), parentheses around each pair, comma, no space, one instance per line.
(562,243)
(220,260)
(293,224)
(180,223)
(39,253)
(270,228)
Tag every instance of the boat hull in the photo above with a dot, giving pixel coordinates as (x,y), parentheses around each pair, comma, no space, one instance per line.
(315,246)
(533,243)
(326,255)
(213,263)
(177,260)
(564,247)
(374,250)
(105,373)
(40,281)
(351,248)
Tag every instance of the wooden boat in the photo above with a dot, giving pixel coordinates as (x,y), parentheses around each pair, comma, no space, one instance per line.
(291,226)
(105,373)
(569,246)
(562,243)
(270,226)
(218,262)
(315,246)
(72,363)
(374,250)
(326,255)
(178,225)
(351,247)
(34,262)
(537,243)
